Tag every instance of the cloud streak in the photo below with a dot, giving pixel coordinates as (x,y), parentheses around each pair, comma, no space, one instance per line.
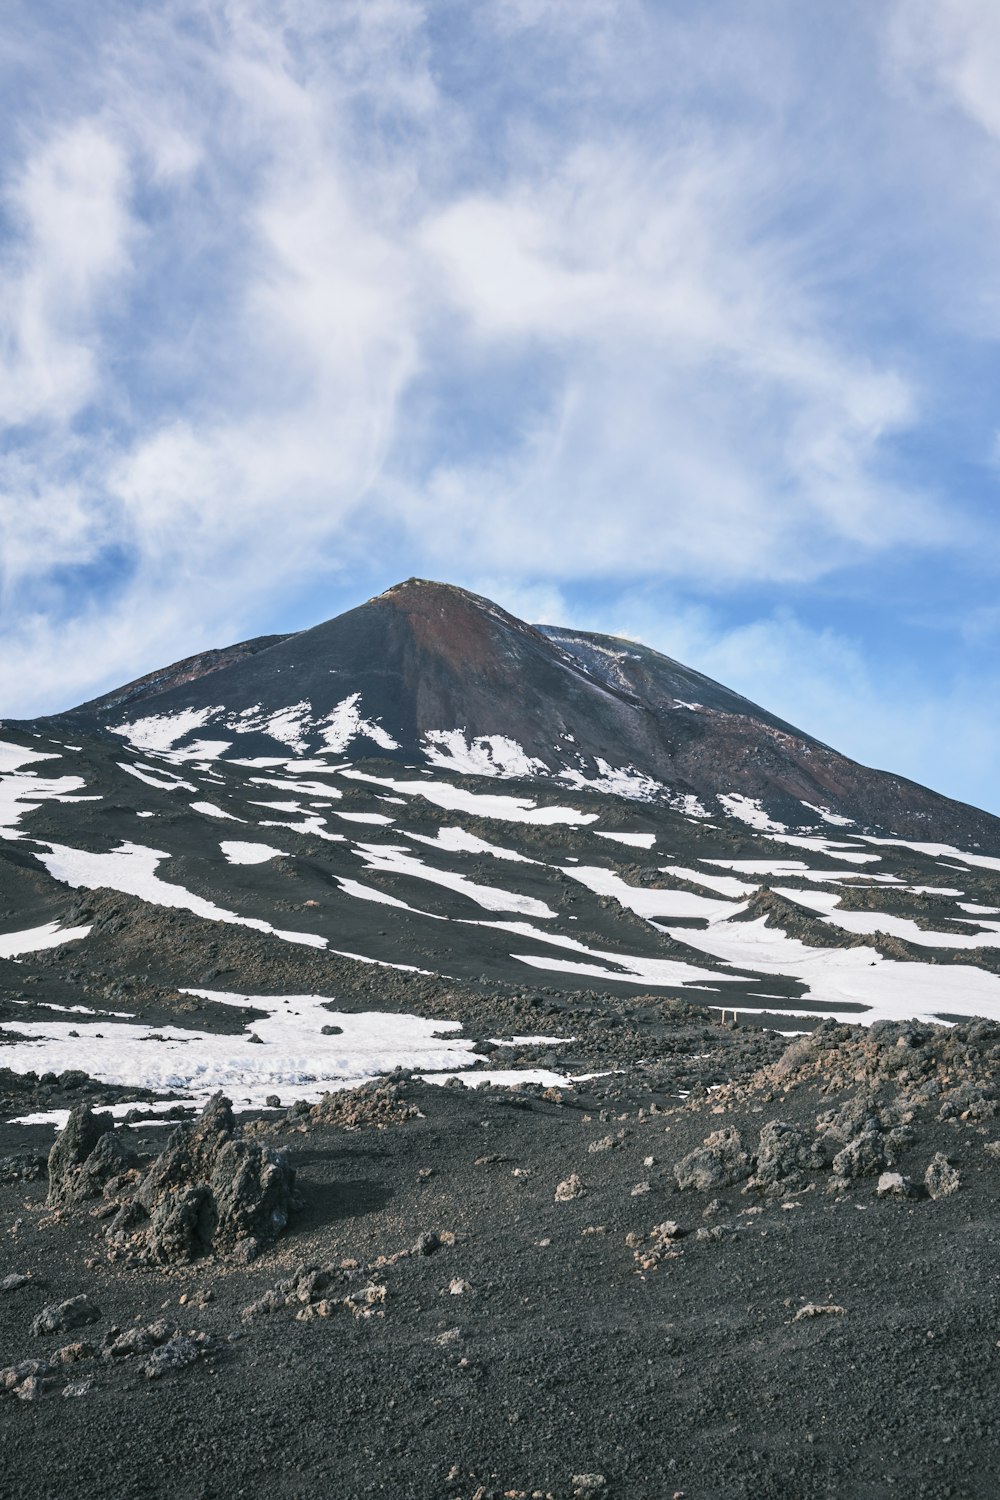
(298,298)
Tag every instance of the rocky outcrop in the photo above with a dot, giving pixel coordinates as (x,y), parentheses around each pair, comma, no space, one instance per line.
(88,1154)
(784,1155)
(61,1317)
(210,1191)
(941,1179)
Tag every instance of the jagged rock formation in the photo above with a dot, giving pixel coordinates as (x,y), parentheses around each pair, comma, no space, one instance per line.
(210,1191)
(88,1153)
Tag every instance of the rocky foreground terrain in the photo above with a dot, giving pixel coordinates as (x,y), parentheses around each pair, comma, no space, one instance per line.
(782,1285)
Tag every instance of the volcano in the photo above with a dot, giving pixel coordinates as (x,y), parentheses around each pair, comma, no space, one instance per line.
(430,674)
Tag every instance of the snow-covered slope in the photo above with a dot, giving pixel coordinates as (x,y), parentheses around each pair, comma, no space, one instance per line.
(391,817)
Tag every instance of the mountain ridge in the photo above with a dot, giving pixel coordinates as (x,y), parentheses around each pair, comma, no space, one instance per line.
(431,673)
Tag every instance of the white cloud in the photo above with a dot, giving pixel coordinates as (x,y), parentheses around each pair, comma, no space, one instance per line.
(68,206)
(531,295)
(695,379)
(953,46)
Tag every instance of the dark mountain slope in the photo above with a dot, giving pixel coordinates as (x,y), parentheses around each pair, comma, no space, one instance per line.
(658,680)
(430,672)
(190,669)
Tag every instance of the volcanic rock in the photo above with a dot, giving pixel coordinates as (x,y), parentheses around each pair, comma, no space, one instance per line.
(718,1162)
(76,1171)
(60,1317)
(210,1190)
(941,1179)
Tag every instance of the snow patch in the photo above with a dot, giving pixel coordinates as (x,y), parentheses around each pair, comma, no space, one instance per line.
(173,784)
(210,810)
(531,1041)
(238,853)
(828,817)
(482,805)
(300,787)
(131,869)
(370,893)
(162,731)
(345,724)
(13,757)
(849,853)
(726,885)
(749,810)
(615,781)
(359,817)
(628,968)
(392,859)
(647,902)
(23,792)
(939,851)
(867,923)
(503,1077)
(852,984)
(297,1060)
(688,804)
(458,841)
(287,725)
(638,840)
(486,755)
(35,939)
(313,826)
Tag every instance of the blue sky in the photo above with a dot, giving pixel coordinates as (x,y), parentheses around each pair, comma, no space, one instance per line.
(669,320)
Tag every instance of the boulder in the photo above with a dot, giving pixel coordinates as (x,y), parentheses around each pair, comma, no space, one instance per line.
(941,1178)
(864,1156)
(570,1188)
(895,1185)
(60,1317)
(718,1162)
(71,1148)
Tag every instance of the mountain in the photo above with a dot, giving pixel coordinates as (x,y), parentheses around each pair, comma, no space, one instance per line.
(681,968)
(431,673)
(431,790)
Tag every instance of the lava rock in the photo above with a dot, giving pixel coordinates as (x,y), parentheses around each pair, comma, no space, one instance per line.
(864,1156)
(21,1168)
(175,1354)
(895,1185)
(941,1178)
(78,1388)
(589,1486)
(15,1376)
(123,1345)
(570,1188)
(87,1156)
(67,1159)
(718,1162)
(781,1155)
(60,1317)
(210,1190)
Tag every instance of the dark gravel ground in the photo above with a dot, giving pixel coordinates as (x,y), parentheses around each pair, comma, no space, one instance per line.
(568,1349)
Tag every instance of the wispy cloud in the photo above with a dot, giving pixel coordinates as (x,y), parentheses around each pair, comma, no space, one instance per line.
(297,298)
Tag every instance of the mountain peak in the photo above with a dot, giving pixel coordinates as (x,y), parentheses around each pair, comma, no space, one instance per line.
(431,672)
